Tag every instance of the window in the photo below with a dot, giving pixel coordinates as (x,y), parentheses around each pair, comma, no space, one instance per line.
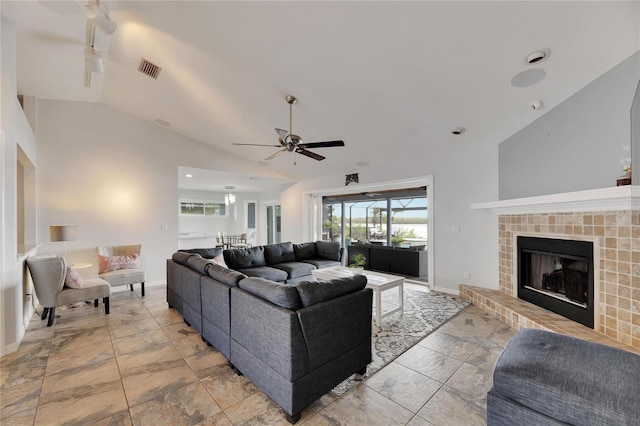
(202,208)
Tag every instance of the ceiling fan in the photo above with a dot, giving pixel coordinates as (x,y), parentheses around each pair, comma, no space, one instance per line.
(293,143)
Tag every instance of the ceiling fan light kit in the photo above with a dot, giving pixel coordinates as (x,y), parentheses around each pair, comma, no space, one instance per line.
(289,142)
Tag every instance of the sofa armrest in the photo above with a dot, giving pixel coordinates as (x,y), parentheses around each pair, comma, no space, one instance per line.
(269,332)
(334,327)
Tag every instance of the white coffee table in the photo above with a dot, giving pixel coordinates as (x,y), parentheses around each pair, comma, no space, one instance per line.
(376,281)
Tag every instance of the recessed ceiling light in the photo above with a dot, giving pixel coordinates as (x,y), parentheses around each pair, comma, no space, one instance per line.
(528,78)
(458,130)
(162,122)
(189,176)
(363,163)
(537,56)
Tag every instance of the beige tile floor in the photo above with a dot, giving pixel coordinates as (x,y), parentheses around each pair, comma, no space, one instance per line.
(143,365)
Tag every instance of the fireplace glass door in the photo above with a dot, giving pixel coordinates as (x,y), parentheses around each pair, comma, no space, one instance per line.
(557,275)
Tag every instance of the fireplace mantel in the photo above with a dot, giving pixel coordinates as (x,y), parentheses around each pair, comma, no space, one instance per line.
(602,199)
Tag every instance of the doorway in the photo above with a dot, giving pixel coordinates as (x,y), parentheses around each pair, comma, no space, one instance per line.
(382,219)
(272,213)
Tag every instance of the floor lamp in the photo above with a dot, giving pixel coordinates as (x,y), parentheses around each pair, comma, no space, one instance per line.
(63,233)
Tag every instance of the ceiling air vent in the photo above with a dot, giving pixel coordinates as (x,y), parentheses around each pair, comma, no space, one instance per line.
(149,69)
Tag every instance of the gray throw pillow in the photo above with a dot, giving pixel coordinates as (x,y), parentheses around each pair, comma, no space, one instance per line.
(207,253)
(313,292)
(244,258)
(279,253)
(279,294)
(199,264)
(328,250)
(182,257)
(225,275)
(305,251)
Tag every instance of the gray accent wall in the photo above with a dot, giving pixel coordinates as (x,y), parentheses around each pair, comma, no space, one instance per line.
(578,145)
(635,137)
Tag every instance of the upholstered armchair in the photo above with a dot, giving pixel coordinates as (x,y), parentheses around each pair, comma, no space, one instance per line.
(48,275)
(120,265)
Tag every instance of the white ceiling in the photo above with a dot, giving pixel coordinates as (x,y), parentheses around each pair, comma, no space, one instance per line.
(374,74)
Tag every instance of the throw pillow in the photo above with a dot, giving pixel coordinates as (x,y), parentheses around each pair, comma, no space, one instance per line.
(219,260)
(113,263)
(73,278)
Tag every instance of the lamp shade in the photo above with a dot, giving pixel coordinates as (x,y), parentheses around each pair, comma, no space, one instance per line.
(63,232)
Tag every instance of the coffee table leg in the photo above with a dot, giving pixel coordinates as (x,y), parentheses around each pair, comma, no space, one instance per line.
(378,307)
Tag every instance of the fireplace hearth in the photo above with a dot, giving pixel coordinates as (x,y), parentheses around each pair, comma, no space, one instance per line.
(558,275)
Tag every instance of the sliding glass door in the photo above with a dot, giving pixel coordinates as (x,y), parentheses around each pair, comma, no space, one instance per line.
(274,230)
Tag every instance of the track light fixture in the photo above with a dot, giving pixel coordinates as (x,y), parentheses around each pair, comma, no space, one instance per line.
(94,59)
(99,15)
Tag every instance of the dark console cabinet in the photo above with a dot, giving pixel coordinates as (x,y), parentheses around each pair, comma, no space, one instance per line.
(404,261)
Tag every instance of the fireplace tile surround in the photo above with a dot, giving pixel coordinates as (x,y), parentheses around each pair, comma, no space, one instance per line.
(616,236)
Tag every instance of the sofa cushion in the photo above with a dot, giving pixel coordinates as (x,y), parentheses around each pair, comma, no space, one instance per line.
(199,264)
(279,294)
(322,263)
(305,251)
(266,272)
(182,257)
(328,250)
(312,292)
(295,269)
(207,253)
(224,275)
(278,253)
(244,258)
(570,380)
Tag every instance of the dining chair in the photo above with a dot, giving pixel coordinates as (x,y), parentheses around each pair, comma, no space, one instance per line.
(241,242)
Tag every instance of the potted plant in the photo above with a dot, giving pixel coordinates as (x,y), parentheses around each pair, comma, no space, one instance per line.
(357,262)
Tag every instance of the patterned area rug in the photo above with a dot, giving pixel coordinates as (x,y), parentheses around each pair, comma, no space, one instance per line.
(423,313)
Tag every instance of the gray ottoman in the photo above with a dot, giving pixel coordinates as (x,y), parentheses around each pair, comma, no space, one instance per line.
(544,378)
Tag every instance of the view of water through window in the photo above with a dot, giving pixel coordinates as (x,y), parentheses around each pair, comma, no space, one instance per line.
(397,218)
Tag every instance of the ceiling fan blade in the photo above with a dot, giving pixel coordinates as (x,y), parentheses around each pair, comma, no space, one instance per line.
(309,154)
(256,144)
(327,144)
(282,134)
(275,155)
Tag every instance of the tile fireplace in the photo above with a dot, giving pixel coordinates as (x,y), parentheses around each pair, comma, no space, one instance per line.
(609,219)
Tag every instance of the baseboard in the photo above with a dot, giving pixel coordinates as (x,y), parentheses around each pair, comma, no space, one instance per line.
(9,349)
(447,290)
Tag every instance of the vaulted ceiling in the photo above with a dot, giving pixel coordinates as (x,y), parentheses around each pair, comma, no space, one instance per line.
(391,79)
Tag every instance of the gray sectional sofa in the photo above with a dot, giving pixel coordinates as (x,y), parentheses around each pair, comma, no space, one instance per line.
(284,262)
(289,338)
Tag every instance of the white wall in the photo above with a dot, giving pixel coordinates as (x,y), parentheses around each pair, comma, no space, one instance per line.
(15,133)
(116,177)
(462,174)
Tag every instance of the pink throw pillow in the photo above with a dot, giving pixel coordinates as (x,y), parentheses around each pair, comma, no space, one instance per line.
(73,278)
(113,263)
(219,260)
